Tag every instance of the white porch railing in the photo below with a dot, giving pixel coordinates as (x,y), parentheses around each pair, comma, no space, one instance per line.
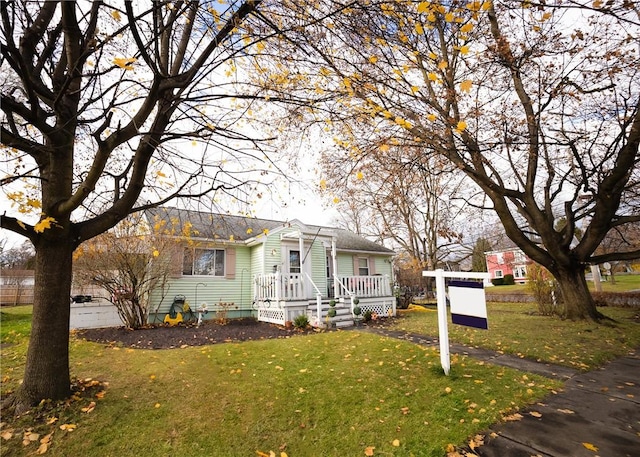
(279,286)
(364,286)
(290,286)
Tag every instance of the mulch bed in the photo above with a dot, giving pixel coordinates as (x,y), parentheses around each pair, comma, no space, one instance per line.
(210,332)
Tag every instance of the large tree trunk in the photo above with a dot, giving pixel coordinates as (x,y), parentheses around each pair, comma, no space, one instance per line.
(578,302)
(46,373)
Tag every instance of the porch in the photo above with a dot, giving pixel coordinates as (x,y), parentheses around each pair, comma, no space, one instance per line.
(281,297)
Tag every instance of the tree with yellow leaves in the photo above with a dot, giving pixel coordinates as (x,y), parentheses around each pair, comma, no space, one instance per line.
(109,108)
(536,103)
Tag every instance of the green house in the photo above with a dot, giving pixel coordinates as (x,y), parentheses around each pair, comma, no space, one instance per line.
(273,270)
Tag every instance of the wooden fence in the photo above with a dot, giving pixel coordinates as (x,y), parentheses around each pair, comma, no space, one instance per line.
(16,295)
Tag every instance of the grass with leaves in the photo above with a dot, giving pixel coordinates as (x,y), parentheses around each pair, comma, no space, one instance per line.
(334,394)
(516,328)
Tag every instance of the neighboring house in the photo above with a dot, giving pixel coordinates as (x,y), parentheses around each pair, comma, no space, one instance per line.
(510,261)
(274,270)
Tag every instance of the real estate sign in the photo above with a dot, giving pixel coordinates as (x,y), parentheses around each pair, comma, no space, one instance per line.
(465,298)
(468,304)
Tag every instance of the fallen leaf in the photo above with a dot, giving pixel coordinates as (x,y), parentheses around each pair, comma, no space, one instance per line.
(89,408)
(68,427)
(535,414)
(396,443)
(29,437)
(368,451)
(42,449)
(513,417)
(566,411)
(590,446)
(7,434)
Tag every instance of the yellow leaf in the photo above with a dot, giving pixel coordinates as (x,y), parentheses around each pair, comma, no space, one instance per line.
(396,443)
(442,65)
(461,126)
(419,29)
(431,117)
(423,7)
(336,200)
(447,390)
(368,451)
(323,184)
(68,427)
(449,17)
(468,27)
(124,62)
(283,454)
(432,76)
(373,59)
(265,231)
(42,449)
(116,15)
(7,434)
(359,175)
(590,446)
(384,148)
(249,231)
(89,408)
(465,86)
(156,253)
(464,50)
(44,224)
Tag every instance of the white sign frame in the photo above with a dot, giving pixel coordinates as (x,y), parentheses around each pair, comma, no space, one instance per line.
(443,327)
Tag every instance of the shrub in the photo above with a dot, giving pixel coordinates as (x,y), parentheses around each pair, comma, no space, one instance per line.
(497,281)
(366,317)
(542,286)
(301,321)
(508,280)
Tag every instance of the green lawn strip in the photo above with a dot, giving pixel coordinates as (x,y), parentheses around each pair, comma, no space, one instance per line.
(15,323)
(325,394)
(515,328)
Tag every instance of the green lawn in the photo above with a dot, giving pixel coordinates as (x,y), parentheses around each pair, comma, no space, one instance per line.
(330,394)
(515,328)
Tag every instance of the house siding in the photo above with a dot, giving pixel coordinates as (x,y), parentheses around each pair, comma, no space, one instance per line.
(209,290)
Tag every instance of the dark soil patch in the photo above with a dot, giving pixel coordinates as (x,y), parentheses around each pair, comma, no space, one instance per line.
(210,332)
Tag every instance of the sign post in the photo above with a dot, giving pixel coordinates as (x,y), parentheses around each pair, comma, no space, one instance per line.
(443,329)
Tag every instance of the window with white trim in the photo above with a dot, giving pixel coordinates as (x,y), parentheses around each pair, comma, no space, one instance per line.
(520,272)
(294,261)
(203,262)
(498,274)
(363,266)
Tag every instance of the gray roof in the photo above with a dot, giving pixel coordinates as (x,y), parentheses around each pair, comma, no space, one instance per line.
(225,227)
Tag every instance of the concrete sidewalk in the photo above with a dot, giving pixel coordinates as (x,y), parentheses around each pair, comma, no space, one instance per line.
(597,414)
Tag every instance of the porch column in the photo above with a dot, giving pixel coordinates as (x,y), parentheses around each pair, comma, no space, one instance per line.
(303,276)
(334,262)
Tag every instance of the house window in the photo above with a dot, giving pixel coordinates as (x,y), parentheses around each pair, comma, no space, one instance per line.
(520,272)
(500,258)
(294,261)
(363,266)
(498,274)
(203,262)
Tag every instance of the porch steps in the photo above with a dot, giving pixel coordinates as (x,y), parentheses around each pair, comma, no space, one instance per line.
(343,317)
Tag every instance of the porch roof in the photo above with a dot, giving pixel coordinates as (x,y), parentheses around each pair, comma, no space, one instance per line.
(224,227)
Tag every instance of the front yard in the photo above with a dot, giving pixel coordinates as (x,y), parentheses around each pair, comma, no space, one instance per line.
(335,394)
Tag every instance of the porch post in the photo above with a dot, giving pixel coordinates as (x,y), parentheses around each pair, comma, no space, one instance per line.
(303,276)
(334,262)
